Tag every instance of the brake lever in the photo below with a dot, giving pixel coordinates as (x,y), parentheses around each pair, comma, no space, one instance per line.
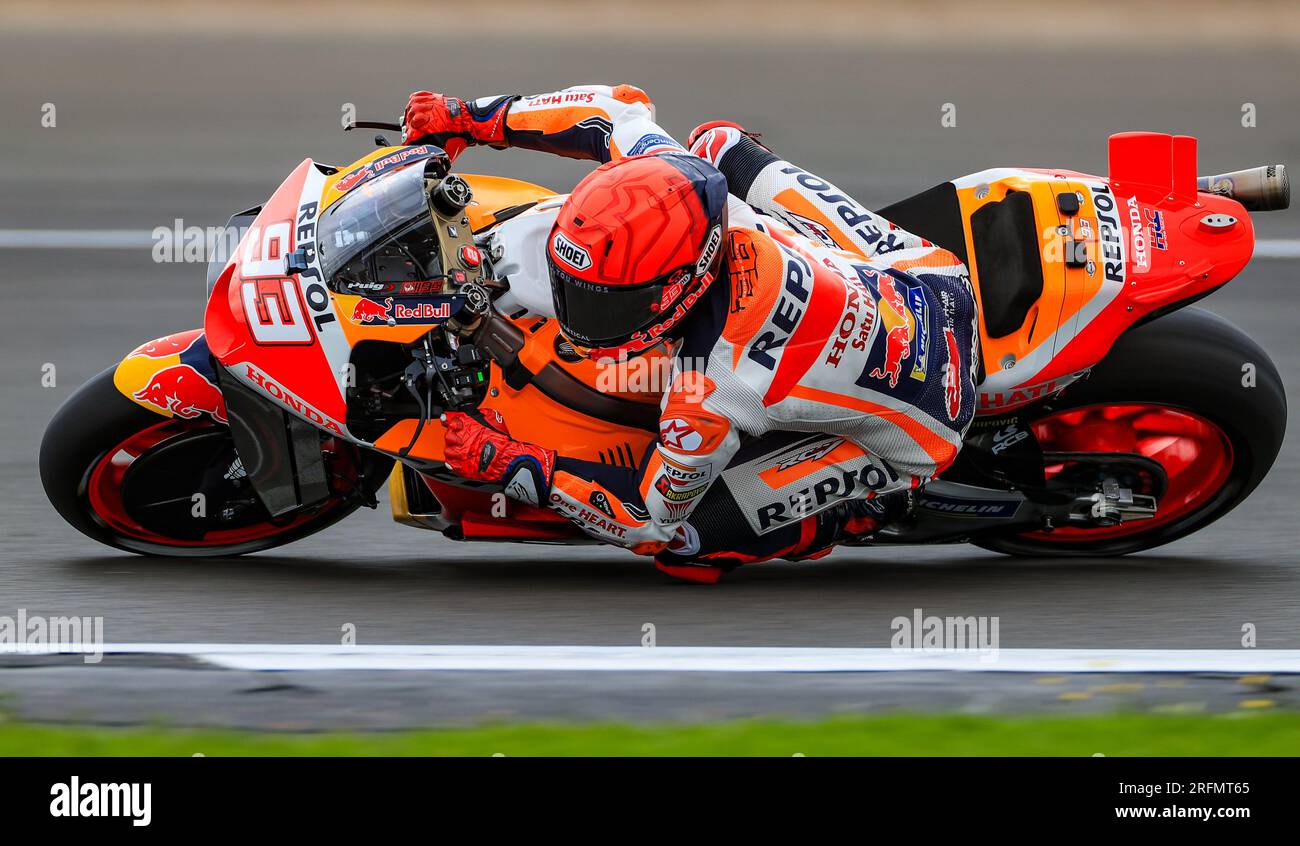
(380,140)
(372,124)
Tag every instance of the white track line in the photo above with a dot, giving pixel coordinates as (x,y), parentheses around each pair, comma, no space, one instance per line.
(76,239)
(137,239)
(267,656)
(1278,248)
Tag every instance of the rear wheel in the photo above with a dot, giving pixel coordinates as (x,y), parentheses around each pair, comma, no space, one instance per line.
(131,479)
(1186,408)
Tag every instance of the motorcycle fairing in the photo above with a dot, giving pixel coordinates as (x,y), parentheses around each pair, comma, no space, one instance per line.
(289,338)
(1112,252)
(279,334)
(172,376)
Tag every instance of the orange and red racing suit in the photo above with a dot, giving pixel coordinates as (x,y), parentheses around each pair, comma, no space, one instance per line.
(832,321)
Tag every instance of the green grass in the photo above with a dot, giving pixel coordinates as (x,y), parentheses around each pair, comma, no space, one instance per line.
(1114,735)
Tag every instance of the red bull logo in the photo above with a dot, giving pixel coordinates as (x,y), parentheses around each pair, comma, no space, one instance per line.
(421,312)
(896,319)
(408,155)
(170,345)
(183,391)
(952,375)
(367,311)
(390,312)
(350,181)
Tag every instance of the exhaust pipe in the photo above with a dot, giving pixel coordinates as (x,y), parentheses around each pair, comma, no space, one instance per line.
(1258,188)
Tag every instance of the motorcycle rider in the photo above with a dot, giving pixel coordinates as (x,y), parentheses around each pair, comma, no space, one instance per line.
(788,307)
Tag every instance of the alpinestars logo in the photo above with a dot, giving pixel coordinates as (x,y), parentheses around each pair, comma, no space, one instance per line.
(676,433)
(522,484)
(807,224)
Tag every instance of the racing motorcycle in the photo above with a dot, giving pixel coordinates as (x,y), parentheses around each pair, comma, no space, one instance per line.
(362,302)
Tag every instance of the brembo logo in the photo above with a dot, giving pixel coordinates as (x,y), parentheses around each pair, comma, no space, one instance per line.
(569,252)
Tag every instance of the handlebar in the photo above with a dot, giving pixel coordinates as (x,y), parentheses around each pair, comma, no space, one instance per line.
(373,124)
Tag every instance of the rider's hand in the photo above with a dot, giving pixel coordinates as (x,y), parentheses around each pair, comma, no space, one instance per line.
(446,121)
(485,452)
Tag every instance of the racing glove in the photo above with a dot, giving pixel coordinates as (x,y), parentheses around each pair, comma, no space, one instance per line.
(453,124)
(482,450)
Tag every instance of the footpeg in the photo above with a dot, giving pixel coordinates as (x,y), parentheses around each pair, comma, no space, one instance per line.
(1113,505)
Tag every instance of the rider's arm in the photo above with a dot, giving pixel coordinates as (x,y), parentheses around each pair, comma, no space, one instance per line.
(642,509)
(804,201)
(597,122)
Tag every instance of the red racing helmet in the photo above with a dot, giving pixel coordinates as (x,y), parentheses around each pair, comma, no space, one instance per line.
(633,249)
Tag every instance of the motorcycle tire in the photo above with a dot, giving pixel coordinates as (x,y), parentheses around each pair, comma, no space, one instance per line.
(1191,375)
(123,475)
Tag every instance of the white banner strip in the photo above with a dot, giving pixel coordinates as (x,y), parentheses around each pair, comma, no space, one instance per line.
(136,239)
(710,659)
(76,239)
(1277,248)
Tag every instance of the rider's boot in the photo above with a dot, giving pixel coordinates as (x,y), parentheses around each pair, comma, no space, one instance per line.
(698,572)
(703,129)
(850,521)
(811,538)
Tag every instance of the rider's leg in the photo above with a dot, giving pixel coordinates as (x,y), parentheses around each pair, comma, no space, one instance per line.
(811,538)
(802,200)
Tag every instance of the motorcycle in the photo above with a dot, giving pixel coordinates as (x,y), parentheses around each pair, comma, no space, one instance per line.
(1113,416)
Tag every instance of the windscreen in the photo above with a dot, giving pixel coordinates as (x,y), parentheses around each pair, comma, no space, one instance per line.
(380,235)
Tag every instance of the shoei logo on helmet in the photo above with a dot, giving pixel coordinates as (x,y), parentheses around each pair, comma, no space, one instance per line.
(710,250)
(569,252)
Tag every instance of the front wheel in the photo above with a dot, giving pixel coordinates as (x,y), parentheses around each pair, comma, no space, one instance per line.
(1191,393)
(131,479)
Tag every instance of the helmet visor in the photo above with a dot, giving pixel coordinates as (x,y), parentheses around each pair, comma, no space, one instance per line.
(596,315)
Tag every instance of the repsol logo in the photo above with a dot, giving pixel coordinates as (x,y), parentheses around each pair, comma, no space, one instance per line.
(569,252)
(863,223)
(313,286)
(789,311)
(845,484)
(1109,235)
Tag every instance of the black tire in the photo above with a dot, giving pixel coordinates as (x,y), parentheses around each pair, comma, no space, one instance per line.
(1191,359)
(97,418)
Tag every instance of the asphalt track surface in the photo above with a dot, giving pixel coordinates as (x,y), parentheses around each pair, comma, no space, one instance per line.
(130,690)
(154,129)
